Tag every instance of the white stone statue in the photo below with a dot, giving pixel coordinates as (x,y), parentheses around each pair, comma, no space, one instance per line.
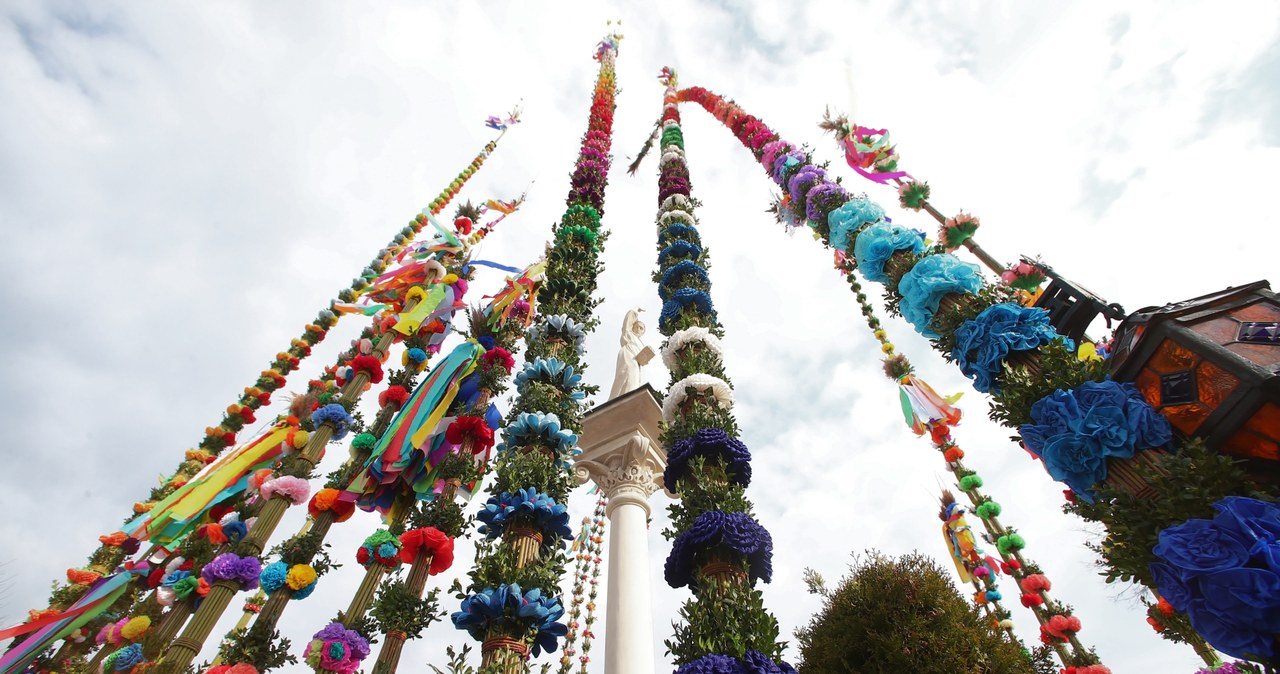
(632,354)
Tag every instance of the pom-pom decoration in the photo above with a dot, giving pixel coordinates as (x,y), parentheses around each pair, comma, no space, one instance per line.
(228,566)
(327,499)
(379,548)
(293,489)
(336,649)
(475,429)
(336,415)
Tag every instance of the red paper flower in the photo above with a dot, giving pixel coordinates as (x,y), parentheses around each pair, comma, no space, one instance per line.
(500,356)
(370,364)
(1030,600)
(953,454)
(393,394)
(427,540)
(474,428)
(463,224)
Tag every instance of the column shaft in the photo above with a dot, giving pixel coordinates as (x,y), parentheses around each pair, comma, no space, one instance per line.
(628,646)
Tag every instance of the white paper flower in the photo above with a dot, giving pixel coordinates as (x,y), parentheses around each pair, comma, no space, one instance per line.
(677,215)
(676,201)
(686,337)
(700,382)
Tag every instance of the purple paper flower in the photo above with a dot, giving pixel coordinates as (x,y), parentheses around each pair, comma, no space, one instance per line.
(230,566)
(713,530)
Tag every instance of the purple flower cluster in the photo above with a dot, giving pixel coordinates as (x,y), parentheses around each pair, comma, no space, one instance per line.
(230,566)
(755,662)
(715,445)
(713,530)
(1224,574)
(823,198)
(337,649)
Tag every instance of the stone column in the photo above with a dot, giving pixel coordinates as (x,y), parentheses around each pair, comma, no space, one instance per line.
(621,454)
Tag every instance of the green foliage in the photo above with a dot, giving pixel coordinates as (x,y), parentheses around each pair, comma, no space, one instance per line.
(700,414)
(457,662)
(695,358)
(903,615)
(540,396)
(518,470)
(265,650)
(729,619)
(398,608)
(63,595)
(707,490)
(446,514)
(308,548)
(496,563)
(1191,482)
(1059,369)
(295,465)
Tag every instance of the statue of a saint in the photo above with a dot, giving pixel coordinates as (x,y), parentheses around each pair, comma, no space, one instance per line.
(631,356)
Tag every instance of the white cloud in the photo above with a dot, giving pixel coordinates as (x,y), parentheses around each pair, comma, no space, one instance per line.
(181,188)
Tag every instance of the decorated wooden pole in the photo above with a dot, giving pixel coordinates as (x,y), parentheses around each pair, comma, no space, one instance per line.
(719,550)
(512,606)
(587,549)
(1046,388)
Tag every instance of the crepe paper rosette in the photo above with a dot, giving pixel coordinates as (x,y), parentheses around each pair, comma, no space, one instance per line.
(525,508)
(508,607)
(427,541)
(702,383)
(690,336)
(381,548)
(337,649)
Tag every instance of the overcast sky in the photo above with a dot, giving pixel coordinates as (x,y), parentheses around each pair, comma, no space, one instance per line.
(183,186)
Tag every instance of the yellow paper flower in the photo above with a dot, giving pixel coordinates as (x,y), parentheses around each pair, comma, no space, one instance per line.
(135,628)
(300,439)
(1087,352)
(300,576)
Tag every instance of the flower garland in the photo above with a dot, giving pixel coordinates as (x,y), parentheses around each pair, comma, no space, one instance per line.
(721,631)
(544,427)
(588,548)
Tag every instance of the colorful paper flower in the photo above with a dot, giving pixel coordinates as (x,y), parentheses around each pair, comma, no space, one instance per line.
(430,541)
(718,532)
(525,508)
(513,608)
(336,649)
(379,548)
(877,243)
(717,447)
(984,342)
(931,279)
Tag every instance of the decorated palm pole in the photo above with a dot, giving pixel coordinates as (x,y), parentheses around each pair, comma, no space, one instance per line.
(232,572)
(511,604)
(931,415)
(719,550)
(587,549)
(1103,439)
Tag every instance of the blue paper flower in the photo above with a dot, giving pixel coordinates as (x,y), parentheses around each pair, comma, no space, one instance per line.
(1075,431)
(846,220)
(335,414)
(560,326)
(876,244)
(678,231)
(526,508)
(512,609)
(128,657)
(714,530)
(934,277)
(983,343)
(1220,573)
(716,446)
(417,355)
(681,249)
(273,576)
(532,428)
(674,277)
(684,297)
(552,371)
(713,663)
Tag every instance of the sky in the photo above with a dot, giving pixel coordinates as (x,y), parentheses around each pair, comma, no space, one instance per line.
(183,186)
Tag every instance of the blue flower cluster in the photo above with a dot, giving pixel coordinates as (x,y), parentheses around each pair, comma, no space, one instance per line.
(680,232)
(1224,574)
(552,371)
(543,429)
(1076,431)
(674,277)
(681,299)
(984,342)
(526,508)
(509,608)
(754,662)
(877,243)
(713,530)
(681,249)
(934,277)
(563,327)
(714,445)
(845,221)
(335,414)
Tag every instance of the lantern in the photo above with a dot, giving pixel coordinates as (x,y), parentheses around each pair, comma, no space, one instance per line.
(1212,366)
(1071,307)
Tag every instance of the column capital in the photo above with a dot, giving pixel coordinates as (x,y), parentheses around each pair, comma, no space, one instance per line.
(620,449)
